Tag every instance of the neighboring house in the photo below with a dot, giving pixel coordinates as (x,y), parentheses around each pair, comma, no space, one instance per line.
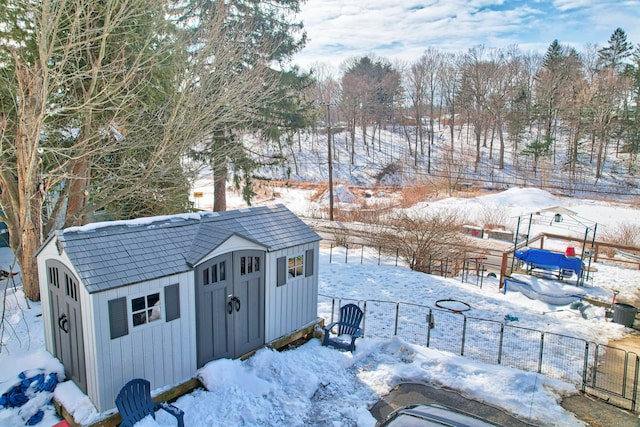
(160,297)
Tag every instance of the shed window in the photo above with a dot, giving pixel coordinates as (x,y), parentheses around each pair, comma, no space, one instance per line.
(146,309)
(295,266)
(249,264)
(214,274)
(53,277)
(71,287)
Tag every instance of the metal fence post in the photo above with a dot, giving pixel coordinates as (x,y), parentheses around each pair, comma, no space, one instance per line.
(346,252)
(330,252)
(362,255)
(634,401)
(464,334)
(541,352)
(379,254)
(585,368)
(395,329)
(595,361)
(429,320)
(500,343)
(625,371)
(364,317)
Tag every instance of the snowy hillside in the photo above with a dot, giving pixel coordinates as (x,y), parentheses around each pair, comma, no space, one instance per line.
(390,160)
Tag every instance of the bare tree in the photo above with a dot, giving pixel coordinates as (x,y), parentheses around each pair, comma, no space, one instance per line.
(422,83)
(606,97)
(92,118)
(450,76)
(416,87)
(421,238)
(72,82)
(474,91)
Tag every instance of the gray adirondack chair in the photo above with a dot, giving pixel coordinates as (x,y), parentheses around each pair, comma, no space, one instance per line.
(348,329)
(134,403)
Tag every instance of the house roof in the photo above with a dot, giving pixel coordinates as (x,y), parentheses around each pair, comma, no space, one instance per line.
(113,254)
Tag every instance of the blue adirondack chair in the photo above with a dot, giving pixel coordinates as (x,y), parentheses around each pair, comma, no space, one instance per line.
(348,328)
(134,403)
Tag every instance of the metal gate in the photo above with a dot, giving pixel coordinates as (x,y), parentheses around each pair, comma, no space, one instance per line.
(613,375)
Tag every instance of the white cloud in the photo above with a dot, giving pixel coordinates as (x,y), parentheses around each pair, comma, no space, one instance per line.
(341,29)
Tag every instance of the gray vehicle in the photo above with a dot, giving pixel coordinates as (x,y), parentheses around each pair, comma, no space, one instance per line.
(432,415)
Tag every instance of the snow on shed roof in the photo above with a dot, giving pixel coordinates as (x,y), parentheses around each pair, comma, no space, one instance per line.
(112,254)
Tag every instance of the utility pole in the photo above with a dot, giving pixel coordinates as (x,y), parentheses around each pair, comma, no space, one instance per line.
(329,157)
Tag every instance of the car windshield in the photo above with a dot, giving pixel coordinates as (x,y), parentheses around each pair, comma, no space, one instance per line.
(434,415)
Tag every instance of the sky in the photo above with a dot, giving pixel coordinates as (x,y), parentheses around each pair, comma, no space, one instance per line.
(315,385)
(401,30)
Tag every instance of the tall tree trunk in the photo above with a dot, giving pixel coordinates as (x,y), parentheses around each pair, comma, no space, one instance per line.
(78,193)
(601,156)
(220,187)
(452,123)
(29,191)
(352,133)
(220,171)
(501,153)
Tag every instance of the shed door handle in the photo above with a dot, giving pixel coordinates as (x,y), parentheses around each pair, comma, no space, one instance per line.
(236,300)
(63,323)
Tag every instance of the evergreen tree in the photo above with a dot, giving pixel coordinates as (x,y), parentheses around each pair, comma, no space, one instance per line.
(269,42)
(616,53)
(561,65)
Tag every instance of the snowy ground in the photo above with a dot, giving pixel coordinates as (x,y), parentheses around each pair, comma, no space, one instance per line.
(314,385)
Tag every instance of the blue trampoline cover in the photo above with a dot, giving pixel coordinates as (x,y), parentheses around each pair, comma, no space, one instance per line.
(542,258)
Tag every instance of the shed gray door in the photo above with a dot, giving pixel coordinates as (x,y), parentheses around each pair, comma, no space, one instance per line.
(66,322)
(248,289)
(229,305)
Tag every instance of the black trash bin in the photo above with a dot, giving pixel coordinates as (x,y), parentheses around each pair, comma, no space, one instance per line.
(624,314)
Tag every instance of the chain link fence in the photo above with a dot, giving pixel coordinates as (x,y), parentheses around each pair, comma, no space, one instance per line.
(602,370)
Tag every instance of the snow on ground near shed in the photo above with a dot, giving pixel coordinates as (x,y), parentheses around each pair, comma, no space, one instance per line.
(313,385)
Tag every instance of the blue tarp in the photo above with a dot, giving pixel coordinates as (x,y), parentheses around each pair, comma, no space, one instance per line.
(20,393)
(541,258)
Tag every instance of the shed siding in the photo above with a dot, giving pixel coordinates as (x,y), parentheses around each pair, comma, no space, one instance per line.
(295,304)
(162,352)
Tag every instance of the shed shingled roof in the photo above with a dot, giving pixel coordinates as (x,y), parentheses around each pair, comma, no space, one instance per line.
(109,256)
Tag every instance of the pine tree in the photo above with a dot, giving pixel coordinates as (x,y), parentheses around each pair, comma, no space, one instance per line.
(269,39)
(617,52)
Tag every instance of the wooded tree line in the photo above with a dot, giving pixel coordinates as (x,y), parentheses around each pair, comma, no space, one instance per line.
(502,96)
(107,108)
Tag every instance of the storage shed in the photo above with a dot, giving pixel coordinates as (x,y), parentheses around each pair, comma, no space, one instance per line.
(160,297)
